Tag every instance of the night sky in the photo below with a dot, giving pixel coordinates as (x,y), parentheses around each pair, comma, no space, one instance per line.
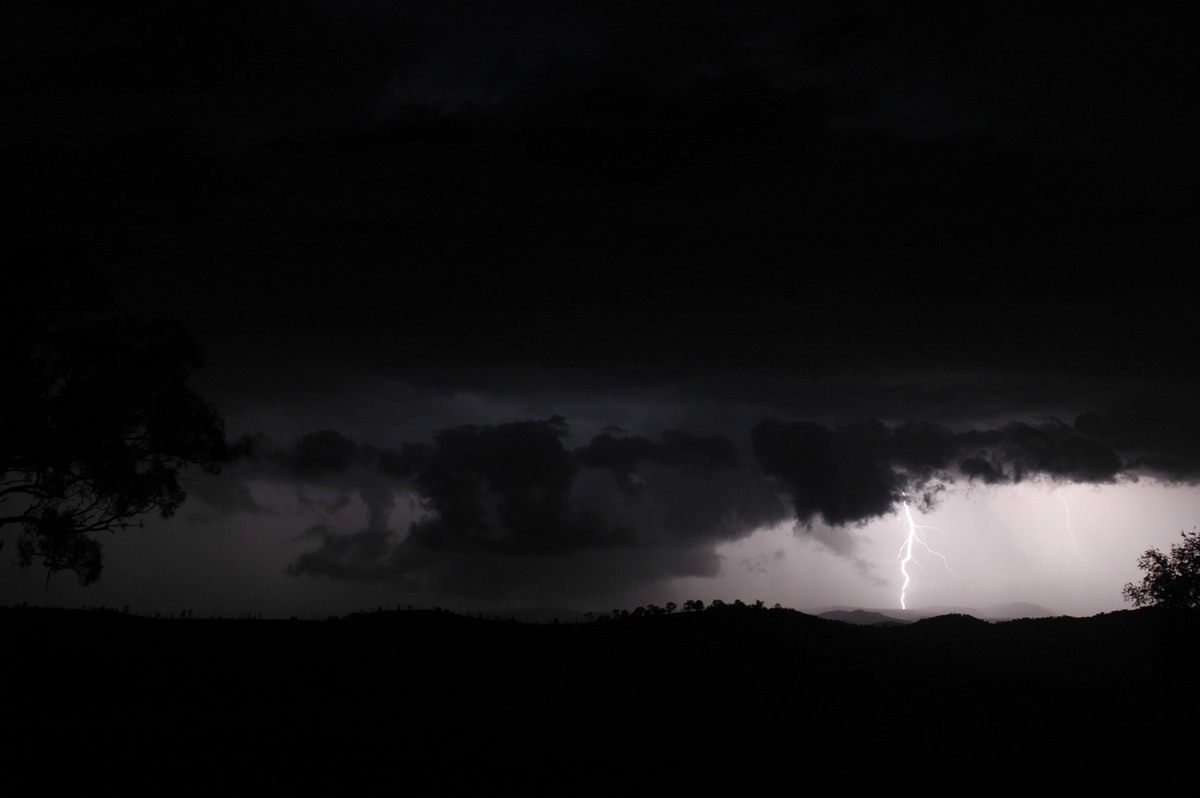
(591,305)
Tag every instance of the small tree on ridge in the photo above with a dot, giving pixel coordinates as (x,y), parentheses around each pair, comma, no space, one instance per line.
(1172,579)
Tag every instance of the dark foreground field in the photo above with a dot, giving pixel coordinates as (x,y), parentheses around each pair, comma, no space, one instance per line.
(735,700)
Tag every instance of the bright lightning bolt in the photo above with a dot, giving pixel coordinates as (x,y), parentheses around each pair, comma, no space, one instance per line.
(906,551)
(916,534)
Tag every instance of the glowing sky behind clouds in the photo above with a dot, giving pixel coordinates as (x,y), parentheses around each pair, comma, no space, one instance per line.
(1004,545)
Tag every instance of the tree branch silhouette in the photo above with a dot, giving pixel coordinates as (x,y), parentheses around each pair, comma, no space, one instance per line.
(97,420)
(1172,579)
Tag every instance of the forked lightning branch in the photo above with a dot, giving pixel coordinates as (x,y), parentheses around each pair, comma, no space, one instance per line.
(915,536)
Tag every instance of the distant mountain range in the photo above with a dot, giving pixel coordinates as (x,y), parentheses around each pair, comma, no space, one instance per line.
(997,612)
(847,614)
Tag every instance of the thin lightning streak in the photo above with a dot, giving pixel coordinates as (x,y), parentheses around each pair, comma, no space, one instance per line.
(916,534)
(1071,532)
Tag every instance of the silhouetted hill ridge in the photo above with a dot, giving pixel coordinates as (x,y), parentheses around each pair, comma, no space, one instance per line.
(861,617)
(390,697)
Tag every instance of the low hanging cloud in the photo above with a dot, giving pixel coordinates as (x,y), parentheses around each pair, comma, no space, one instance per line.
(842,475)
(853,473)
(505,489)
(516,491)
(623,454)
(682,488)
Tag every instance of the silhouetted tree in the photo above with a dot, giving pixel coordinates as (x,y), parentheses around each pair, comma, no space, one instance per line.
(96,417)
(1171,580)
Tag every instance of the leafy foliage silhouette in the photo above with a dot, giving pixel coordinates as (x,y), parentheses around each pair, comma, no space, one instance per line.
(1172,579)
(96,417)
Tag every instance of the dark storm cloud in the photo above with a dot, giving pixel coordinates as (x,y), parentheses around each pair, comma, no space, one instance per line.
(623,454)
(501,490)
(513,490)
(505,489)
(844,475)
(322,453)
(1159,437)
(404,462)
(1007,68)
(851,473)
(193,72)
(1018,452)
(228,492)
(856,472)
(360,556)
(737,183)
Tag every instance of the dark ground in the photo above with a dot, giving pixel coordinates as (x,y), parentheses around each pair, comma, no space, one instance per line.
(739,699)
